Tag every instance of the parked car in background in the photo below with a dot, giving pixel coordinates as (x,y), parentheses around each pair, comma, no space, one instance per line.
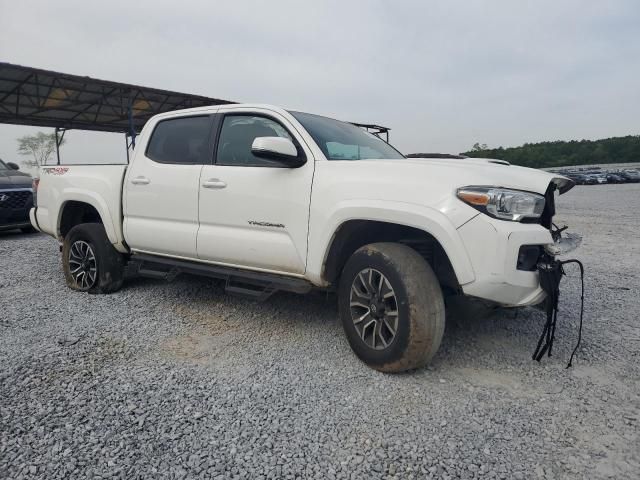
(631,176)
(599,179)
(597,176)
(581,179)
(16,198)
(614,178)
(578,178)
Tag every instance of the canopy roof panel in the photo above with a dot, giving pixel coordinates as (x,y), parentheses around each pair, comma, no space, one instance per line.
(43,98)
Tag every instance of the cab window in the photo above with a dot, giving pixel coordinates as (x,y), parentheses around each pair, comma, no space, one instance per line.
(183,140)
(237,135)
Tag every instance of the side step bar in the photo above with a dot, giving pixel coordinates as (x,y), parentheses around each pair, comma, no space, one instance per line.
(245,283)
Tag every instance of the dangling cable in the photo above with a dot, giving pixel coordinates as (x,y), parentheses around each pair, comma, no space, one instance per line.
(579,263)
(550,272)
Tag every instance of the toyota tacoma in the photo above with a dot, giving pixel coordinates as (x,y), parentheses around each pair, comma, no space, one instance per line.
(269,199)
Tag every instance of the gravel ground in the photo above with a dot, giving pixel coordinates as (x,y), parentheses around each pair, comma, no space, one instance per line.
(181,381)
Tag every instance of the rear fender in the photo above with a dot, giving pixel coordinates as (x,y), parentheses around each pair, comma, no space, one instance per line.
(111,221)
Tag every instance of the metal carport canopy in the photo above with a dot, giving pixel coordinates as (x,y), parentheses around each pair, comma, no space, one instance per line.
(43,98)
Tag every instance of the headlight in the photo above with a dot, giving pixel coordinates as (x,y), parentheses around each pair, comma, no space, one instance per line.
(503,203)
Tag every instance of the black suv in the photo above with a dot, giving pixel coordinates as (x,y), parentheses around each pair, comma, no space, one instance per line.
(16,198)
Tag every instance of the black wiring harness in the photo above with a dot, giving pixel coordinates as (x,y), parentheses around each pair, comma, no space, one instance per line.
(551,272)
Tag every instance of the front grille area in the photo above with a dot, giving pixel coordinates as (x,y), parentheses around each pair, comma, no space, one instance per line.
(9,199)
(528,257)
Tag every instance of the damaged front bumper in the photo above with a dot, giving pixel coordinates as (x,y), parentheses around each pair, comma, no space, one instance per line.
(505,262)
(563,244)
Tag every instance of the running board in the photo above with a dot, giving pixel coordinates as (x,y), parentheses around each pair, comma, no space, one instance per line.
(245,283)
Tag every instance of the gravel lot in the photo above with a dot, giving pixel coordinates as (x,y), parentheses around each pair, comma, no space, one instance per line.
(181,381)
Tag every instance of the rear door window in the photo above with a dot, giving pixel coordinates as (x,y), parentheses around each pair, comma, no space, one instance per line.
(183,140)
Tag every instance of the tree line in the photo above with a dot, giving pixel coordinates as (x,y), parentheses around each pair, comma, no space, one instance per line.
(561,153)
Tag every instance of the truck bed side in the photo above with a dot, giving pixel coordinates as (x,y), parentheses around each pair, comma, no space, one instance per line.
(67,187)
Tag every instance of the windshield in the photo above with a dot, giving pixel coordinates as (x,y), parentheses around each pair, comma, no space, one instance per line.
(3,166)
(344,141)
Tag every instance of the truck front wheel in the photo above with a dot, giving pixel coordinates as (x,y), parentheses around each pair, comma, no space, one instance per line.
(391,307)
(90,262)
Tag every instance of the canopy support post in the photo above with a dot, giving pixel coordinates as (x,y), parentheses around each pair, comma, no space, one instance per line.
(59,140)
(126,146)
(132,130)
(129,144)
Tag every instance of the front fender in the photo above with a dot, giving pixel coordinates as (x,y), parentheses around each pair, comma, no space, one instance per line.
(324,225)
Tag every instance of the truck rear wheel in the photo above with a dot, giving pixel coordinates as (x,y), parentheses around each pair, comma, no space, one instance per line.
(90,262)
(391,307)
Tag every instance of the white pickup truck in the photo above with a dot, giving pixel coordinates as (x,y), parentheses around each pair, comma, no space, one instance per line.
(269,199)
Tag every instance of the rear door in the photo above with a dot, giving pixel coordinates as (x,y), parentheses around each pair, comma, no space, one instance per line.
(162,187)
(254,212)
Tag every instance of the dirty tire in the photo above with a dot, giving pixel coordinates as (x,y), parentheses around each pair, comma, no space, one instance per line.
(420,307)
(109,263)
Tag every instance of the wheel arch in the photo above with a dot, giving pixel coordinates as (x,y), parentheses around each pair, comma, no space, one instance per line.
(355,233)
(74,211)
(328,231)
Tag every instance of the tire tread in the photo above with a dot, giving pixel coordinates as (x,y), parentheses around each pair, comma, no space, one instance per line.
(424,299)
(110,261)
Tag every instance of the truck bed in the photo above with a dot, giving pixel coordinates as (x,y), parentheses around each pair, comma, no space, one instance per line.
(98,185)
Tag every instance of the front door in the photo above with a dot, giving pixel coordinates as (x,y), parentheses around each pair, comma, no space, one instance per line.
(254,212)
(162,186)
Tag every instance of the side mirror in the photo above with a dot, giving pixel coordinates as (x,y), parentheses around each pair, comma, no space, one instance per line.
(13,166)
(278,149)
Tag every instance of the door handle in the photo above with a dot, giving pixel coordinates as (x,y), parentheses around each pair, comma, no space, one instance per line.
(214,183)
(141,181)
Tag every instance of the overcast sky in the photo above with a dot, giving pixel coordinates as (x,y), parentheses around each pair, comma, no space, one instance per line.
(443,75)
